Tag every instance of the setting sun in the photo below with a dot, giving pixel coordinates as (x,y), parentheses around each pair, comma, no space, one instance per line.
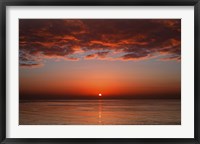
(100,95)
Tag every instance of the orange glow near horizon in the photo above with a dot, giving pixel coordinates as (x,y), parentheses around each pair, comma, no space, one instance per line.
(105,78)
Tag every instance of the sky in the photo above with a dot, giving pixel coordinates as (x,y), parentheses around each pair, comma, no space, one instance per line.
(70,58)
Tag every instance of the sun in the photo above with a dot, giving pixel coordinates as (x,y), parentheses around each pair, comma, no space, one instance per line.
(100,95)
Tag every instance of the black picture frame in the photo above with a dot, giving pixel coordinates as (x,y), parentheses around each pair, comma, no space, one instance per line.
(5,3)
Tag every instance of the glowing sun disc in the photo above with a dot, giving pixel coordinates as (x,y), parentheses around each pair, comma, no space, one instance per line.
(100,95)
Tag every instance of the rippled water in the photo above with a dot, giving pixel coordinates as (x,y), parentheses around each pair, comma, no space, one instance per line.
(101,112)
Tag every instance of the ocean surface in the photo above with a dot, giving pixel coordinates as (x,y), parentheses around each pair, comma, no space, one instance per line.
(101,112)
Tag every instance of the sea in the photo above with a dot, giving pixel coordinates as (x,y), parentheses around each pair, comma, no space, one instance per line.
(100,112)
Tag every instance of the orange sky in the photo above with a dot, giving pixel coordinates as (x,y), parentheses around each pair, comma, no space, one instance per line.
(82,58)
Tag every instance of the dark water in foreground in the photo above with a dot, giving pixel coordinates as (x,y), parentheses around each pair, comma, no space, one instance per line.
(101,112)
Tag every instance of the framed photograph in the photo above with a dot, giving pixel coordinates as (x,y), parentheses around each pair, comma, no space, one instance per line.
(101,72)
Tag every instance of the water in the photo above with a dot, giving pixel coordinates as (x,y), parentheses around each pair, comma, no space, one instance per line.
(101,112)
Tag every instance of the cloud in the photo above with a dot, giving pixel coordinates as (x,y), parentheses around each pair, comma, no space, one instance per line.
(31,65)
(90,56)
(100,55)
(137,54)
(135,39)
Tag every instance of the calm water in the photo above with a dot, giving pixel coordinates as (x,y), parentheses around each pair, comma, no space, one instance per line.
(101,112)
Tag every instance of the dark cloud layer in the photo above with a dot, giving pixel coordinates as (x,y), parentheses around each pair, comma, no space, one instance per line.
(133,38)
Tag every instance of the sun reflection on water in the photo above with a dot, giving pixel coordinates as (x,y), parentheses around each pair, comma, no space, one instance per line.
(100,111)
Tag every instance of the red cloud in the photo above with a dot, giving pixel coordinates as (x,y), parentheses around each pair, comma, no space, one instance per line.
(136,38)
